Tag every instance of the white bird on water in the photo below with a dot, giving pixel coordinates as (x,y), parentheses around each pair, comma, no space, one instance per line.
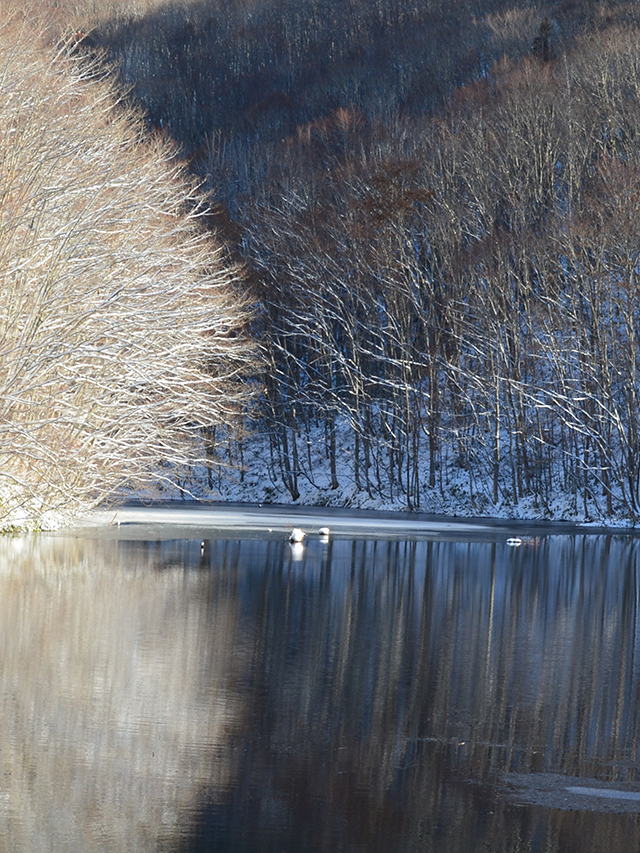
(296,536)
(516,541)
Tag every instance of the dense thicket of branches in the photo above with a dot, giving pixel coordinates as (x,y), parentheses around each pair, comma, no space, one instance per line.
(232,79)
(466,291)
(119,318)
(437,207)
(260,69)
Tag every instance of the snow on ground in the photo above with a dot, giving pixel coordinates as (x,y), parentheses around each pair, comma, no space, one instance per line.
(20,516)
(259,482)
(255,479)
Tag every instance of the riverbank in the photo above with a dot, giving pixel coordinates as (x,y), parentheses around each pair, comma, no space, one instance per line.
(253,484)
(253,476)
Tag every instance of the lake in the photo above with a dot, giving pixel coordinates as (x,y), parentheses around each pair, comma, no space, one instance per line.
(371,695)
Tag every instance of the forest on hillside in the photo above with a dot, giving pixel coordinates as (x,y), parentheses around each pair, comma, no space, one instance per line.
(434,205)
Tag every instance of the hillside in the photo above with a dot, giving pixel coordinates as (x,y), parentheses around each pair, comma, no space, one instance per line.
(435,208)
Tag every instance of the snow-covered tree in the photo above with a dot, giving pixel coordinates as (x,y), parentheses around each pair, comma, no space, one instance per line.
(121,322)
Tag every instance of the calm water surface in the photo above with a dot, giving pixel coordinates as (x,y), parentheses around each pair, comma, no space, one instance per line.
(350,696)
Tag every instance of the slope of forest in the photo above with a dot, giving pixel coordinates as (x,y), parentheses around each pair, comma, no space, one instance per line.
(435,205)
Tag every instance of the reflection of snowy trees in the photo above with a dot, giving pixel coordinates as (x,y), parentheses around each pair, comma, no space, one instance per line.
(387,674)
(113,694)
(468,642)
(373,691)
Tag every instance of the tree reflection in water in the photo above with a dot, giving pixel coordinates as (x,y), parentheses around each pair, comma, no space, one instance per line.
(359,696)
(114,699)
(393,683)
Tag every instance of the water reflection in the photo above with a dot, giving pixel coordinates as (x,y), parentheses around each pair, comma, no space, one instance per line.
(346,696)
(114,695)
(394,683)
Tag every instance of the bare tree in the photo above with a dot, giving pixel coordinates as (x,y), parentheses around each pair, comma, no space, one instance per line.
(121,324)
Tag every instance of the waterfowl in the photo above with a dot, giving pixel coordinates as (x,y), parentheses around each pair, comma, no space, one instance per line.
(296,535)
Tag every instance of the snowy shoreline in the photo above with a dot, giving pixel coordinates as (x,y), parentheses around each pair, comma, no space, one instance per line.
(242,495)
(252,476)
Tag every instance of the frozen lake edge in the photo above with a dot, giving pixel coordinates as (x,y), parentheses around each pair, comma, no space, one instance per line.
(192,520)
(570,793)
